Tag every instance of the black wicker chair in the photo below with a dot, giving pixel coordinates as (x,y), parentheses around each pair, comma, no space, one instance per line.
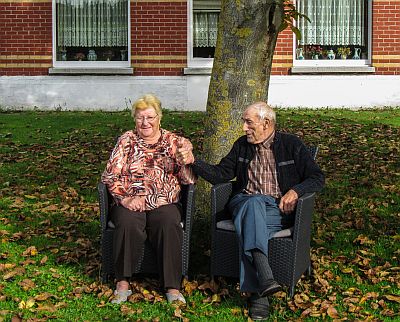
(289,254)
(148,263)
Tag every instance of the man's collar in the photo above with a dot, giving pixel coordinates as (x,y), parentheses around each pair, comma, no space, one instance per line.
(268,141)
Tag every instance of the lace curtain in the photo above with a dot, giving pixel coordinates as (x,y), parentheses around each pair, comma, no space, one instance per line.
(205,27)
(92,23)
(333,22)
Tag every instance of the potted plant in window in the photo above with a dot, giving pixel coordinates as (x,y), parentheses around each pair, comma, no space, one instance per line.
(344,52)
(315,51)
(79,56)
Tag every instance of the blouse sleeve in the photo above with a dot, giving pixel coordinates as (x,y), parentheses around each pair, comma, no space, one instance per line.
(186,175)
(111,176)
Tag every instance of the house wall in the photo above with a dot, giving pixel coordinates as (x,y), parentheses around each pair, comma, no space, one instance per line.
(386,37)
(159,37)
(159,56)
(25,37)
(385,41)
(282,61)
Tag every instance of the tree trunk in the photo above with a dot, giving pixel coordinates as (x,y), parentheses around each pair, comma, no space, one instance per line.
(247,34)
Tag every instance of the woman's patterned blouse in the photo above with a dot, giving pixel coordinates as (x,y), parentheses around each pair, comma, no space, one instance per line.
(139,169)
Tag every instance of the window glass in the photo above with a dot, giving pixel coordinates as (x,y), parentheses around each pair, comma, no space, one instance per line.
(338,30)
(92,30)
(205,27)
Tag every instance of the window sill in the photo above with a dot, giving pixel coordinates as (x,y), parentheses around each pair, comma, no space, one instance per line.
(197,71)
(91,71)
(332,69)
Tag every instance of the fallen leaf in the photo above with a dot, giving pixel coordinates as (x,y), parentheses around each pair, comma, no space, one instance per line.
(30,197)
(17,272)
(44,260)
(189,287)
(6,266)
(215,298)
(44,296)
(27,284)
(26,305)
(332,312)
(30,251)
(178,313)
(125,309)
(16,319)
(48,307)
(392,298)
(236,311)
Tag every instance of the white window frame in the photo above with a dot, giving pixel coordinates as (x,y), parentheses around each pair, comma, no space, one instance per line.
(89,64)
(338,62)
(194,62)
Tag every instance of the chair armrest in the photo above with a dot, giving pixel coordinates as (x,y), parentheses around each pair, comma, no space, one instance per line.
(188,205)
(103,204)
(303,218)
(313,149)
(220,194)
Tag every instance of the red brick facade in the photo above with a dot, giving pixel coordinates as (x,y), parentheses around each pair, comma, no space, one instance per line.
(25,37)
(159,38)
(386,37)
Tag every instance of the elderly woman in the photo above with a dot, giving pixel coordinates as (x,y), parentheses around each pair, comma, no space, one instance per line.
(144,177)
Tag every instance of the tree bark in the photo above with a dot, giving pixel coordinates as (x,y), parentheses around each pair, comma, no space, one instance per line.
(247,34)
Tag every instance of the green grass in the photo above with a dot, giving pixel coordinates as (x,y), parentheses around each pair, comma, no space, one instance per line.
(50,163)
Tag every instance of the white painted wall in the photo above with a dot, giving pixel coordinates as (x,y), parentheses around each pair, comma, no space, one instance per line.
(190,92)
(315,91)
(89,92)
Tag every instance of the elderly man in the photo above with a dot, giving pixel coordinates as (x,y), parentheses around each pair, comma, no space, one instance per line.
(272,170)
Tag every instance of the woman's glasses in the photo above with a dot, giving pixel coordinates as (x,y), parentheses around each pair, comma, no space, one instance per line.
(149,119)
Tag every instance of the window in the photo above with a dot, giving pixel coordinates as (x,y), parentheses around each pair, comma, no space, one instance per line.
(203,31)
(337,34)
(91,33)
(205,27)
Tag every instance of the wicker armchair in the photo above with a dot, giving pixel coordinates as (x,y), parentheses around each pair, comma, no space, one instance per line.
(148,262)
(289,250)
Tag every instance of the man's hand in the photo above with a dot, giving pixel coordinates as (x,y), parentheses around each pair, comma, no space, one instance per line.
(288,201)
(184,154)
(134,203)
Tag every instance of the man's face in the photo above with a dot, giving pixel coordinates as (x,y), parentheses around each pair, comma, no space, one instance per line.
(256,130)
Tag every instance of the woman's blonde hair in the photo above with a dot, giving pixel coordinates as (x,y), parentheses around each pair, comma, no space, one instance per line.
(148,100)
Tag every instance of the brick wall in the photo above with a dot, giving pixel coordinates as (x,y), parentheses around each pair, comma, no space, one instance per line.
(386,37)
(159,37)
(25,37)
(283,55)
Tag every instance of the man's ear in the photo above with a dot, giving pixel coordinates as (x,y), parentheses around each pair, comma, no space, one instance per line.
(266,123)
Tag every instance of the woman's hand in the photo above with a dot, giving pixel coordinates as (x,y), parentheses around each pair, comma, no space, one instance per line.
(134,203)
(184,154)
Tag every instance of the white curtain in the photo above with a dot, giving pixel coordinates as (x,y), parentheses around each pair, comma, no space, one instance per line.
(92,23)
(333,22)
(205,28)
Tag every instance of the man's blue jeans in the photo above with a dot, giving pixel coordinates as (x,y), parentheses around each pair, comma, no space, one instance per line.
(256,218)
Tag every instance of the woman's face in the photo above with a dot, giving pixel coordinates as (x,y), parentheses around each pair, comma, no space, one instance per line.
(147,123)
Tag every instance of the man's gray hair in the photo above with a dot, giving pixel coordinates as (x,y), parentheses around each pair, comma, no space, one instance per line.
(265,111)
